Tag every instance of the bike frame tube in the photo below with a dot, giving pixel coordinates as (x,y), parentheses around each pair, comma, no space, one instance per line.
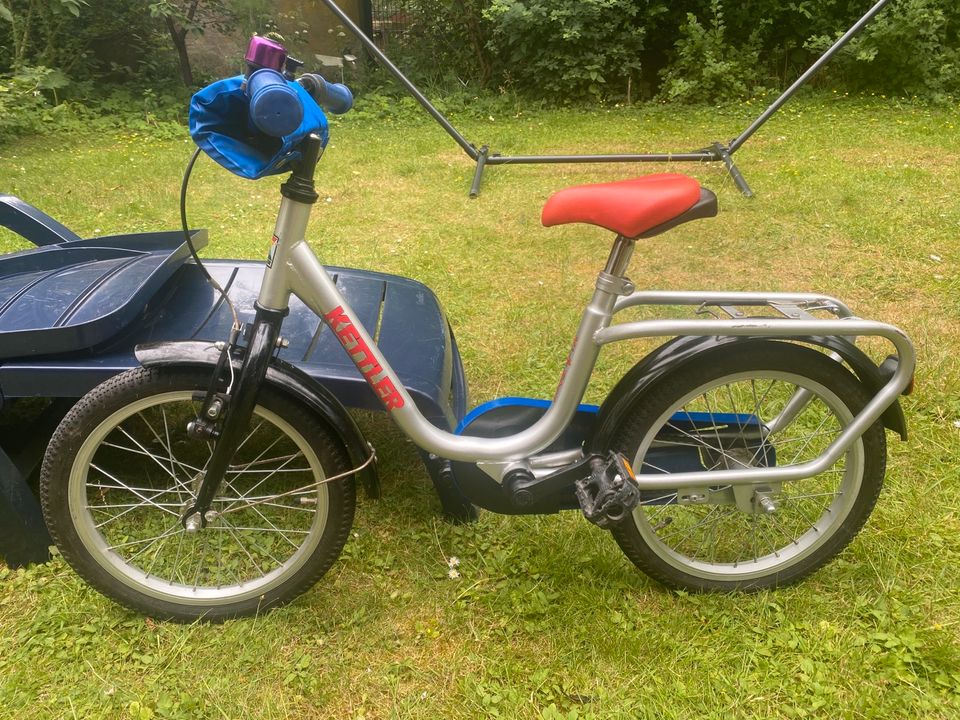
(311,283)
(296,270)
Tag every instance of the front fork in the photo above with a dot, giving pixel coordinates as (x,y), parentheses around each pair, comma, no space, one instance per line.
(237,409)
(238,403)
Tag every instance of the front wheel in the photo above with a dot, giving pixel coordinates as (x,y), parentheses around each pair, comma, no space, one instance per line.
(755,404)
(121,470)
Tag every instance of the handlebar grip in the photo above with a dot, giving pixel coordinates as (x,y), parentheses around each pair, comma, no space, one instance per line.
(333,97)
(275,107)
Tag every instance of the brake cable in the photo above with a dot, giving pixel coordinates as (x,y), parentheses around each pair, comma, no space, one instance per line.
(236,327)
(193,250)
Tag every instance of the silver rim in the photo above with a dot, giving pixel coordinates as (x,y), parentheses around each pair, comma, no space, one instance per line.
(744,420)
(136,473)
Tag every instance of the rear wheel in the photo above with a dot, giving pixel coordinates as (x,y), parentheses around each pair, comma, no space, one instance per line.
(121,470)
(756,404)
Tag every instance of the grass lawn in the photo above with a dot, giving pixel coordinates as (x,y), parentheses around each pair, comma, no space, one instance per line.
(856,198)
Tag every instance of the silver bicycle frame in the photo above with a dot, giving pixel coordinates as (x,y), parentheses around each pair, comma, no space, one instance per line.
(294,269)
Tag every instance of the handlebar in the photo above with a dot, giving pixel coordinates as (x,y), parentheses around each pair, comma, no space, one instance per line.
(277,110)
(275,107)
(333,97)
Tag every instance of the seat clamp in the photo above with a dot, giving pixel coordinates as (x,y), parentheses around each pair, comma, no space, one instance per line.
(614,284)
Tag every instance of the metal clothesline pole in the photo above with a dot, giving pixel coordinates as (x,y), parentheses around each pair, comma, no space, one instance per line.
(371,47)
(803,79)
(716,152)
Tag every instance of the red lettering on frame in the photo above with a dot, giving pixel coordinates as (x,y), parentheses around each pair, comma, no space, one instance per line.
(336,318)
(388,394)
(369,367)
(361,355)
(349,338)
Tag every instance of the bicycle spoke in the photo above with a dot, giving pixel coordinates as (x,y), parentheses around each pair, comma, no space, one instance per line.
(700,443)
(135,488)
(810,495)
(189,470)
(150,455)
(114,518)
(166,446)
(227,526)
(663,508)
(657,500)
(166,432)
(692,528)
(251,434)
(214,528)
(245,497)
(807,443)
(141,541)
(716,430)
(775,521)
(267,520)
(147,500)
(135,451)
(129,505)
(199,564)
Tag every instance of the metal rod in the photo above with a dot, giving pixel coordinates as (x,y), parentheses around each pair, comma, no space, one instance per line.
(774,327)
(700,156)
(468,148)
(482,157)
(802,80)
(735,174)
(707,297)
(619,257)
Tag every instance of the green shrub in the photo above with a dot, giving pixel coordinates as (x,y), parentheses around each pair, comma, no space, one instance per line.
(24,103)
(910,49)
(571,49)
(447,40)
(28,106)
(707,67)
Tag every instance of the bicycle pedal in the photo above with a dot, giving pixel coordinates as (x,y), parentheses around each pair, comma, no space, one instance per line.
(611,492)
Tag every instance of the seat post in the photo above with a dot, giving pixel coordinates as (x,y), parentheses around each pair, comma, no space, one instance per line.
(620,255)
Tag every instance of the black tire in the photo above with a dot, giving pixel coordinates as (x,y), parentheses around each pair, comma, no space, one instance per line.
(127,540)
(720,544)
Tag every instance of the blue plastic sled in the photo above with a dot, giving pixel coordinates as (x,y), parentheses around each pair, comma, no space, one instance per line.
(72,310)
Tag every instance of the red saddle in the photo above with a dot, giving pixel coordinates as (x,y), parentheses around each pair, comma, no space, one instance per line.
(641,207)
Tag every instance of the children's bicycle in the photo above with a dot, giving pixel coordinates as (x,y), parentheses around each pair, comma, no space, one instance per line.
(217,481)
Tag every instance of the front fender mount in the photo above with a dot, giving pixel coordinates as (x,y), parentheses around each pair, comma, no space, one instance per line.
(282,377)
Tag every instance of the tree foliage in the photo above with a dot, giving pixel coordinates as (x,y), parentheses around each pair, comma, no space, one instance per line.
(691,50)
(571,48)
(912,51)
(560,50)
(36,23)
(707,66)
(185,16)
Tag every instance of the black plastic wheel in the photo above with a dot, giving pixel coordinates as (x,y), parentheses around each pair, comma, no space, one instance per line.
(121,470)
(752,404)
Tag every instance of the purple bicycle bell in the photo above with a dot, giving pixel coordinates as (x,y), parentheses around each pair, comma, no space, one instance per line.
(264,53)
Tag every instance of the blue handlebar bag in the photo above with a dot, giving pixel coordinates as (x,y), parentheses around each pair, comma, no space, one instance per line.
(220,125)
